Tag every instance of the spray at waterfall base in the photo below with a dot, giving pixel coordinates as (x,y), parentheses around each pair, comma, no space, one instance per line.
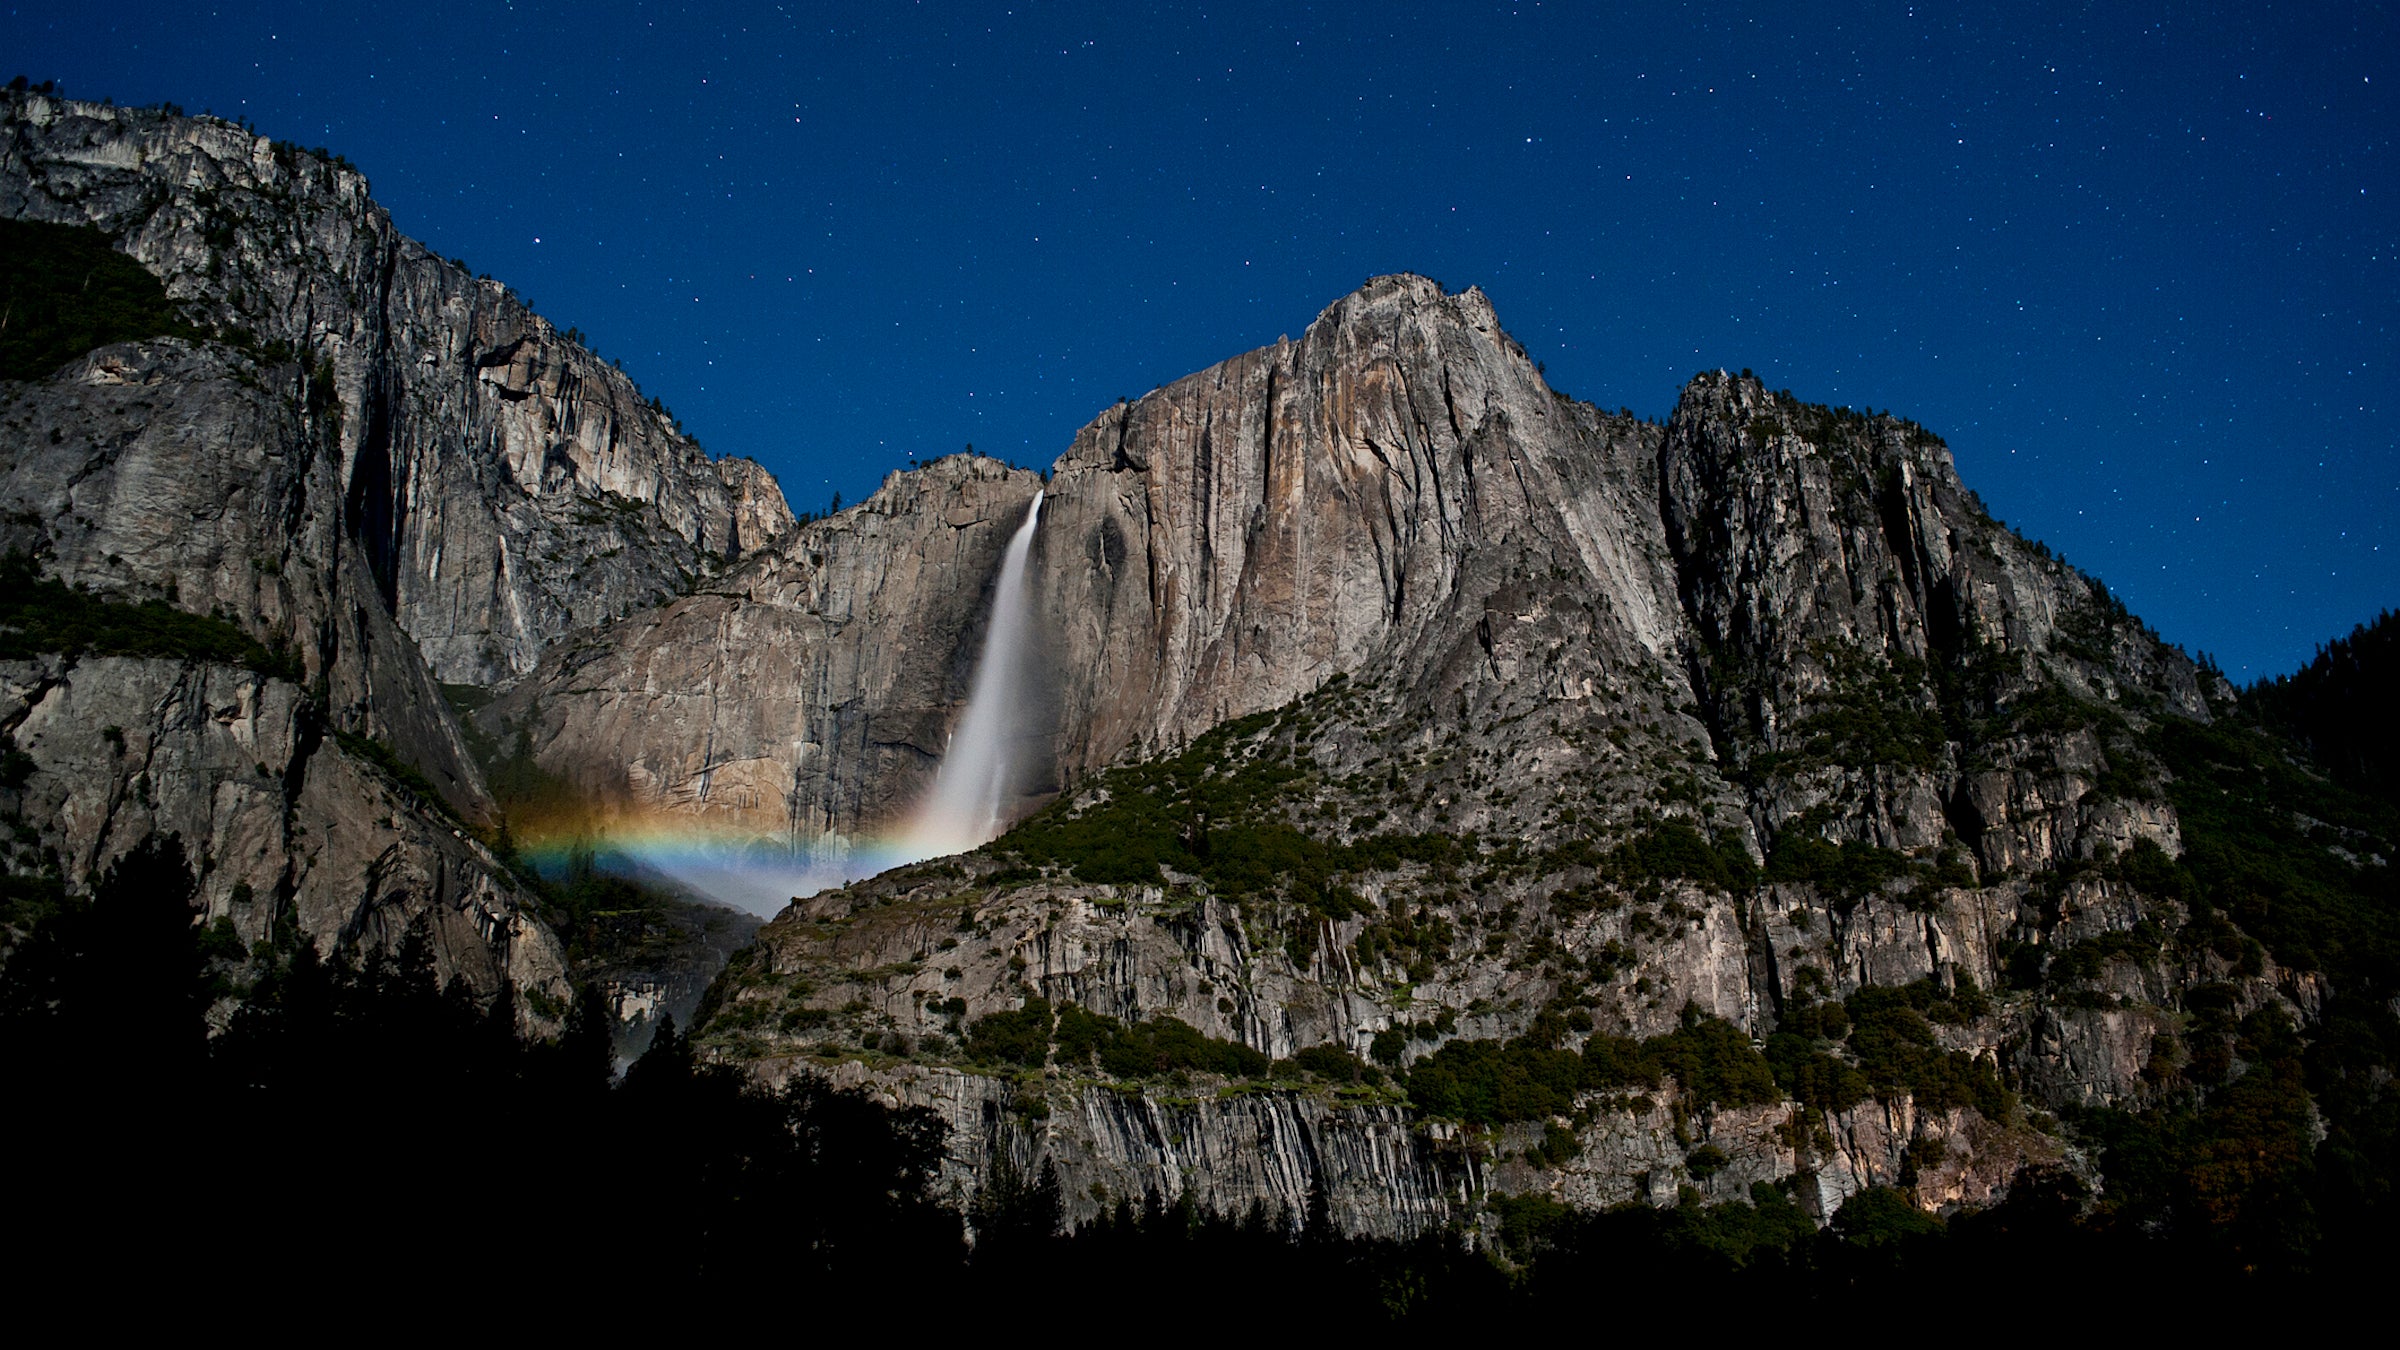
(967,807)
(750,871)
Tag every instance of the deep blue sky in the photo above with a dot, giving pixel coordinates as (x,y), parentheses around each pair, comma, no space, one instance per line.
(2140,264)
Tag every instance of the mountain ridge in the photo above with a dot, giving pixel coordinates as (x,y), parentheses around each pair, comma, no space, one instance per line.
(1448,792)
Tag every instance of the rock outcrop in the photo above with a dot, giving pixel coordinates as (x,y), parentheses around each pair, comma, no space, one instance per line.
(283,824)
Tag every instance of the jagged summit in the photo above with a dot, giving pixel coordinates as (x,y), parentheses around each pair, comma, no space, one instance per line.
(1414,288)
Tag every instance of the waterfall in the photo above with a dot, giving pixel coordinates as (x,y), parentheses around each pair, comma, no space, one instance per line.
(979,770)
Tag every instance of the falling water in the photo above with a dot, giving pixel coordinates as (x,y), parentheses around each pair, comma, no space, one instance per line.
(971,792)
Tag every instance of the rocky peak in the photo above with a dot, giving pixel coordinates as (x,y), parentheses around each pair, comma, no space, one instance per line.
(1868,641)
(507,485)
(1338,504)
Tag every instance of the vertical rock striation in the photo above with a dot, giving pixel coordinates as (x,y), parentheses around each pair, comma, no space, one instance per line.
(1367,499)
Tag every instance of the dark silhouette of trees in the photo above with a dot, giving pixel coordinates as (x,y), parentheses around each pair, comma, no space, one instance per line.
(352,1120)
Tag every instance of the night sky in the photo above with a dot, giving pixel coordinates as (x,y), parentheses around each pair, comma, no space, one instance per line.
(2138,263)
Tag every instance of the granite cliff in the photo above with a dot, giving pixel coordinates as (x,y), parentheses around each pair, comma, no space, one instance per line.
(367,458)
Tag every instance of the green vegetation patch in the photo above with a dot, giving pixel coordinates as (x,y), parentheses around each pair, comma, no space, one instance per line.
(1086,1039)
(1876,713)
(1674,849)
(2237,1167)
(1159,1045)
(1899,1054)
(1730,1236)
(32,885)
(1021,1036)
(64,290)
(1416,939)
(1215,811)
(1488,1082)
(1892,1050)
(2260,838)
(1530,1077)
(1845,872)
(39,615)
(2340,706)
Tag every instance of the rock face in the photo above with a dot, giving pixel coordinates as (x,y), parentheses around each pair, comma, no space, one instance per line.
(1380,1173)
(1384,495)
(808,692)
(385,467)
(1397,492)
(283,823)
(1832,564)
(161,470)
(505,485)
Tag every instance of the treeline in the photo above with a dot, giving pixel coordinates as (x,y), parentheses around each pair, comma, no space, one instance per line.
(352,1123)
(2340,706)
(1080,1040)
(1879,1043)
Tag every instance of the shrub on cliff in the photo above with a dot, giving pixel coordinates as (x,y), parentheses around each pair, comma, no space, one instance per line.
(1020,1036)
(64,290)
(45,615)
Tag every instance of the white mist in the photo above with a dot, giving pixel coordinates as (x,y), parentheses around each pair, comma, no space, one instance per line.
(970,794)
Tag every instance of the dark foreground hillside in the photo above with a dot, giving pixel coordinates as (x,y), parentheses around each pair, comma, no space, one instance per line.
(353,1126)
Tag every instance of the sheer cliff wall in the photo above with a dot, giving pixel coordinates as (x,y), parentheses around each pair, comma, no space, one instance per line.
(380,464)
